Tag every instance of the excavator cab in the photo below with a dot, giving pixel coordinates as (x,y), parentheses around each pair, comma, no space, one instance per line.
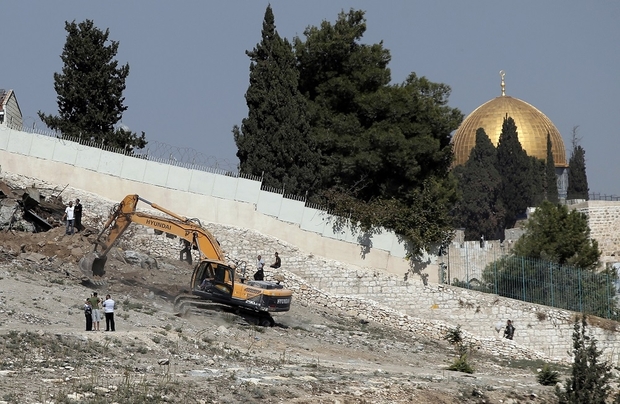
(213,280)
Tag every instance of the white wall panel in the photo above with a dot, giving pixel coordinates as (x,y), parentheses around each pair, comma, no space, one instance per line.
(225,187)
(201,182)
(88,157)
(383,241)
(20,142)
(291,210)
(178,178)
(66,152)
(43,147)
(5,133)
(313,220)
(269,203)
(133,168)
(247,190)
(111,163)
(156,173)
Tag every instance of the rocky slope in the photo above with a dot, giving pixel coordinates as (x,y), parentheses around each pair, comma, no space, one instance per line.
(315,354)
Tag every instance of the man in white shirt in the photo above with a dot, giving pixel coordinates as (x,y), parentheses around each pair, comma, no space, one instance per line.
(259,275)
(108,309)
(70,217)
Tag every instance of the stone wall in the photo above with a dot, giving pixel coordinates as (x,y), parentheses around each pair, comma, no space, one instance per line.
(604,222)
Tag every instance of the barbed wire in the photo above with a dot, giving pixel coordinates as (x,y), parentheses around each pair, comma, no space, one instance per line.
(154,151)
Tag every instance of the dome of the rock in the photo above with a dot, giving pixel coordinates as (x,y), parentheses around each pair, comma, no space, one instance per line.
(532,127)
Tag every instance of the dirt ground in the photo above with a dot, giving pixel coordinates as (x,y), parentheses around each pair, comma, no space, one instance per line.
(312,355)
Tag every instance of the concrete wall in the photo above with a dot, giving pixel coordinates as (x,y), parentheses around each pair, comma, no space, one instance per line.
(210,196)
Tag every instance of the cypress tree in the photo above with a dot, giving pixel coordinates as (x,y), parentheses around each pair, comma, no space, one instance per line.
(479,210)
(273,140)
(551,181)
(577,178)
(90,89)
(536,178)
(513,166)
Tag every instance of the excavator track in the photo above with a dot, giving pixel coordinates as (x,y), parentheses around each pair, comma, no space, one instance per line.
(186,303)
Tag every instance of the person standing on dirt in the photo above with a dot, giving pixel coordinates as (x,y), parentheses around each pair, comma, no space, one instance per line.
(108,307)
(69,217)
(77,211)
(88,313)
(277,263)
(94,302)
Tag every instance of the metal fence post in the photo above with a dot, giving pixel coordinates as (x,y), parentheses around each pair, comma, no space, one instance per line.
(551,279)
(523,278)
(467,265)
(607,301)
(495,274)
(580,293)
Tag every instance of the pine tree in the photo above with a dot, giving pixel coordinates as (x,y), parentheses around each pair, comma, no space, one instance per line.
(514,167)
(589,381)
(90,90)
(273,141)
(577,178)
(480,211)
(551,181)
(385,149)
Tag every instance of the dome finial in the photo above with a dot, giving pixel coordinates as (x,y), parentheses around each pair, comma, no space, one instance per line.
(502,74)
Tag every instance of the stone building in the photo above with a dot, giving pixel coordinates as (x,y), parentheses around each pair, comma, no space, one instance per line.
(532,127)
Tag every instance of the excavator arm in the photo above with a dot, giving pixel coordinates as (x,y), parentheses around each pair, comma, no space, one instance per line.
(124,213)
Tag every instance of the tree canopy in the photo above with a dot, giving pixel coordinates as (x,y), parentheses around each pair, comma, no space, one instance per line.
(551,180)
(555,234)
(577,178)
(90,90)
(382,151)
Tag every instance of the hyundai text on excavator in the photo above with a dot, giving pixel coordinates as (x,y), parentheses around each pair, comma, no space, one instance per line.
(213,280)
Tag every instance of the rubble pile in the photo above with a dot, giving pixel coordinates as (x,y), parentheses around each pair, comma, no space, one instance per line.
(28,210)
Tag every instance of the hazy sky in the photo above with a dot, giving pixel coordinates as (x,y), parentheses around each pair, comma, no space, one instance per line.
(189,72)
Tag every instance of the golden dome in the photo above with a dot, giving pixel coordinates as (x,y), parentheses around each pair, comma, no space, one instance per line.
(532,127)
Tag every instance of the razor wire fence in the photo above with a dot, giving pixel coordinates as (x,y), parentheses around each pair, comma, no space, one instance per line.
(537,281)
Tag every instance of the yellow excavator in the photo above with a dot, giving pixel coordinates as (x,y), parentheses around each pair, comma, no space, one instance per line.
(213,280)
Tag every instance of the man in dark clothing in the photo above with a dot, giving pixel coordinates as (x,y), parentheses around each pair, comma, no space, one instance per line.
(77,213)
(509,332)
(277,263)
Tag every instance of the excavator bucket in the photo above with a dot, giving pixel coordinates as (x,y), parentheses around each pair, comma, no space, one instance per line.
(92,265)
